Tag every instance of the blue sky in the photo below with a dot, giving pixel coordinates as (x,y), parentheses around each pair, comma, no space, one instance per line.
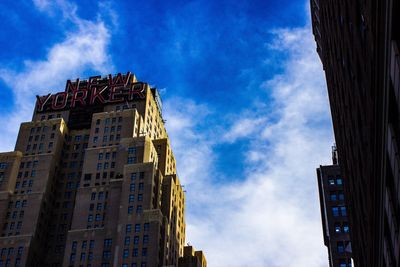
(244,99)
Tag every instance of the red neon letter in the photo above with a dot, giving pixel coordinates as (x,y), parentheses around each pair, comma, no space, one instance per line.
(41,101)
(93,81)
(137,89)
(97,94)
(113,92)
(81,98)
(55,105)
(73,87)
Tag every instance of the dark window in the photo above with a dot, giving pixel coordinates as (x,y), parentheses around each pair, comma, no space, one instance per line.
(340,247)
(125,255)
(335,211)
(137,228)
(343,211)
(127,241)
(107,242)
(144,252)
(346,228)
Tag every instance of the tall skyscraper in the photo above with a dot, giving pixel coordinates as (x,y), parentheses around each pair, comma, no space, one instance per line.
(92,181)
(334,214)
(359,43)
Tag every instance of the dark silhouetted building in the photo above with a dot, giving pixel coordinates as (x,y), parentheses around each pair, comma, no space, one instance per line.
(92,181)
(192,258)
(358,43)
(334,214)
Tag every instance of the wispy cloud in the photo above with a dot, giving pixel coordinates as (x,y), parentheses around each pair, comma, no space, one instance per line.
(269,217)
(83,49)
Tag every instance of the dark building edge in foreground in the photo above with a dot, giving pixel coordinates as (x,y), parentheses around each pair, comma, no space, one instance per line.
(358,44)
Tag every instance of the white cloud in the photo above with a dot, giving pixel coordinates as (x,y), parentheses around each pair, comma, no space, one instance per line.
(82,49)
(271,216)
(243,127)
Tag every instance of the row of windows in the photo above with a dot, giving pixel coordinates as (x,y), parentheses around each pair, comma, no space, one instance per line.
(135,253)
(333,181)
(335,196)
(341,246)
(98,217)
(139,209)
(42,137)
(12,226)
(40,148)
(106,138)
(78,138)
(136,240)
(107,129)
(107,120)
(107,155)
(14,214)
(105,166)
(10,251)
(99,206)
(342,227)
(128,228)
(7,263)
(101,195)
(82,257)
(336,213)
(84,245)
(43,129)
(132,198)
(29,164)
(131,160)
(134,175)
(132,187)
(25,183)
(18,204)
(51,116)
(26,174)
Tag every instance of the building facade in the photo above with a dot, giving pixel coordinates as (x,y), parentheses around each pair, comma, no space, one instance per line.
(192,258)
(334,214)
(92,181)
(358,43)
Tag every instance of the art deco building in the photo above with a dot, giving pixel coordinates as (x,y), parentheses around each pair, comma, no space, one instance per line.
(359,43)
(334,213)
(92,181)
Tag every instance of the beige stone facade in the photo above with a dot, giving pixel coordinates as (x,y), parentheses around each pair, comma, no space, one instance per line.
(92,187)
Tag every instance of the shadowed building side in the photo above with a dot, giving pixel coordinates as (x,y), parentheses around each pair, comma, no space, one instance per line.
(358,43)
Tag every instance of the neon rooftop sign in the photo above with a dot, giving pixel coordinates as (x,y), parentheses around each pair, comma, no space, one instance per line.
(95,90)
